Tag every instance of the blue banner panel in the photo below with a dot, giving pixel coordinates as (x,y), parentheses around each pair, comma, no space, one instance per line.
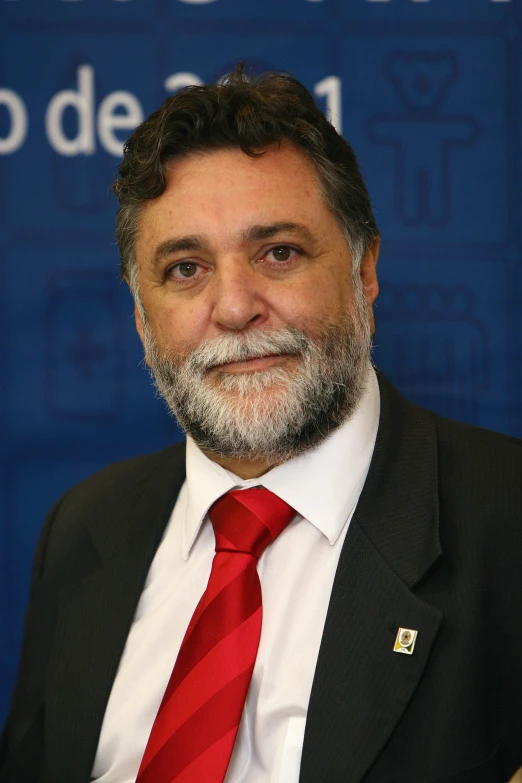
(427,91)
(437,339)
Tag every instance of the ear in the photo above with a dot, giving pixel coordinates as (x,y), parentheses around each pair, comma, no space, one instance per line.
(369,280)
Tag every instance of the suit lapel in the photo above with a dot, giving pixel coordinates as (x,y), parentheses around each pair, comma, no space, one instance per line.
(361,687)
(95,616)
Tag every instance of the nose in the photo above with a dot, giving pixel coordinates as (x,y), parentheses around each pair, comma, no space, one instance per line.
(238,296)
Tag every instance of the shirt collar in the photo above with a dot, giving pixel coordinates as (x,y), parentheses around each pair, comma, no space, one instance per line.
(323,485)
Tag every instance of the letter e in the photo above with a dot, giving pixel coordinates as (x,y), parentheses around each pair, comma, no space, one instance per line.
(108,121)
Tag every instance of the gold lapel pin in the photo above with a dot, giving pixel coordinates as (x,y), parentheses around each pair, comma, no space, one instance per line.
(405,641)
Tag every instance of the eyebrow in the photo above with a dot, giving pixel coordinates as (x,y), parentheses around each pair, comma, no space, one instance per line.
(184,244)
(256,233)
(269,231)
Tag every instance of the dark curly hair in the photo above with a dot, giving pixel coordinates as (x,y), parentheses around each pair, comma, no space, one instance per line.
(250,113)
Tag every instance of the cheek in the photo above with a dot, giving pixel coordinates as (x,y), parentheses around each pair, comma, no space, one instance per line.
(324,296)
(177,328)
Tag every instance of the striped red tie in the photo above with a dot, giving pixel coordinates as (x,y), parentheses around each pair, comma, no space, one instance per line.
(195,729)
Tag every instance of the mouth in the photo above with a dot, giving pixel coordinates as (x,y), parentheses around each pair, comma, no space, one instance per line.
(255,364)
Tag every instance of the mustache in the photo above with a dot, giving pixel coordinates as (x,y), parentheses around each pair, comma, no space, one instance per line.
(250,345)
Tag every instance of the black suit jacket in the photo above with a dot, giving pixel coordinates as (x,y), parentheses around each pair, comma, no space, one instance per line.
(435,545)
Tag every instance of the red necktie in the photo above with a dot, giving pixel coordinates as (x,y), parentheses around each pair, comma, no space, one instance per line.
(195,729)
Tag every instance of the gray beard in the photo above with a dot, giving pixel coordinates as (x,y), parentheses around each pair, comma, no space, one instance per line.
(273,414)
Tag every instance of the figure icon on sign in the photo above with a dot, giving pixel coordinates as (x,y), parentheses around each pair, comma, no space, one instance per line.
(422,134)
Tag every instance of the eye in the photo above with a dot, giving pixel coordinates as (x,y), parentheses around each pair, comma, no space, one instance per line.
(184,270)
(282,254)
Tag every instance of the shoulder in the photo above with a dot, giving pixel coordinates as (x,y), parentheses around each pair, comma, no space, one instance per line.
(468,451)
(110,501)
(124,480)
(476,470)
(480,492)
(461,450)
(466,447)
(456,431)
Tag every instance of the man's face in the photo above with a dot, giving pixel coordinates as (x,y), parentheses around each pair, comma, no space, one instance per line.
(240,258)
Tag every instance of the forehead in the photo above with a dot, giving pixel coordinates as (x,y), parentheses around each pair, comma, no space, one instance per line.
(228,190)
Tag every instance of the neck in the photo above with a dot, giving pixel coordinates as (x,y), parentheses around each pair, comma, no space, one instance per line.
(244,468)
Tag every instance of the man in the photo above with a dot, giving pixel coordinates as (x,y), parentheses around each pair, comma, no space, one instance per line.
(380,542)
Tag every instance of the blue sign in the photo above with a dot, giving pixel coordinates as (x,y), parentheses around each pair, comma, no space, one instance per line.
(427,91)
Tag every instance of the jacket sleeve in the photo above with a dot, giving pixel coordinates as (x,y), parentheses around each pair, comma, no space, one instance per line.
(27,700)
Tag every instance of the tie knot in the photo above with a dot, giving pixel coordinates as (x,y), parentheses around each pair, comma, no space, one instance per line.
(248,520)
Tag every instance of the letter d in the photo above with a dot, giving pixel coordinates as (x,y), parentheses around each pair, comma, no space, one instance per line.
(82,100)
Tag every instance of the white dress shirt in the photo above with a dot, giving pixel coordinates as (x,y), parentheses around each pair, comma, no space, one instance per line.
(296,573)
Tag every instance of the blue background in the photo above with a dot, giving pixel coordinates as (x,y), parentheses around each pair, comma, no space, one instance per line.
(431,100)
